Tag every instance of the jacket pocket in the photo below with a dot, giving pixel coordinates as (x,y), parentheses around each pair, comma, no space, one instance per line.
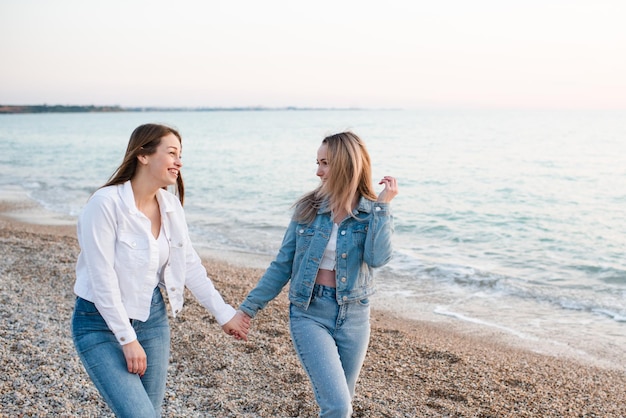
(359,233)
(304,238)
(133,250)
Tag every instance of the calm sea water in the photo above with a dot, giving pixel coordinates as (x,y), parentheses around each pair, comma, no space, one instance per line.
(509,224)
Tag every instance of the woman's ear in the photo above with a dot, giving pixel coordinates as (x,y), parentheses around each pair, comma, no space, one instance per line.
(143,159)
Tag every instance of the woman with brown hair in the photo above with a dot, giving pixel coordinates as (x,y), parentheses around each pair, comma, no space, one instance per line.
(339,233)
(134,243)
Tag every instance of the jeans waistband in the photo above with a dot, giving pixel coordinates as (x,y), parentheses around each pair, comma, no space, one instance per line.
(321,290)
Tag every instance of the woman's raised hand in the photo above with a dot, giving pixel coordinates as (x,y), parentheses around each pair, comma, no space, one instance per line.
(390,191)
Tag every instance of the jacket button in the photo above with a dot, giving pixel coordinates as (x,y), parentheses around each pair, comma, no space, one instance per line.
(343,232)
(345,298)
(343,279)
(377,208)
(133,244)
(344,255)
(301,231)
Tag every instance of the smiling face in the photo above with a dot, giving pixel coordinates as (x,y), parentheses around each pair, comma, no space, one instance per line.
(163,166)
(322,162)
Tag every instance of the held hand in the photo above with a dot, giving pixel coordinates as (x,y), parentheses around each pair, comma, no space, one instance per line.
(136,359)
(238,326)
(390,191)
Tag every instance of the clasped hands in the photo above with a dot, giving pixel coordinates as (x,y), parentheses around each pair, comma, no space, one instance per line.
(238,326)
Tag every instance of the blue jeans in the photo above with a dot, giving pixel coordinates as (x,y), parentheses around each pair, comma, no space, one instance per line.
(127,394)
(331,342)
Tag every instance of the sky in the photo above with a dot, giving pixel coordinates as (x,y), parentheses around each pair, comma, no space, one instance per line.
(277,53)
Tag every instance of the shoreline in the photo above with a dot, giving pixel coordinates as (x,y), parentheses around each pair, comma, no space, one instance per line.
(15,204)
(413,368)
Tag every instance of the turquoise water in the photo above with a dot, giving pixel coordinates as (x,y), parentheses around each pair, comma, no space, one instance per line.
(507,222)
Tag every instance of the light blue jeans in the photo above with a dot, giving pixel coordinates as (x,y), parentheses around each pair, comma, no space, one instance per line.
(331,342)
(127,394)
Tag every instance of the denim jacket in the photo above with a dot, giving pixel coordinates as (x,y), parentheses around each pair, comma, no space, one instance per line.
(363,243)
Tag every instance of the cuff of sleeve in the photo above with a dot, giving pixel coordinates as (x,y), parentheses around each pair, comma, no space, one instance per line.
(225,315)
(126,336)
(382,209)
(248,311)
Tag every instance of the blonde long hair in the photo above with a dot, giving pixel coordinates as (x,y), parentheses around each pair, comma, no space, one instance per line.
(144,141)
(350,173)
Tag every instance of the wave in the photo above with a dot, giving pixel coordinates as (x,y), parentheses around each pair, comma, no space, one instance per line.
(445,312)
(607,301)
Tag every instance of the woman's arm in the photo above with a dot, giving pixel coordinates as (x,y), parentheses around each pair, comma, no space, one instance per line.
(378,248)
(276,276)
(97,235)
(197,280)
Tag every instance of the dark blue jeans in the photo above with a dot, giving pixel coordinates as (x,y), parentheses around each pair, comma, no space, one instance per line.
(127,394)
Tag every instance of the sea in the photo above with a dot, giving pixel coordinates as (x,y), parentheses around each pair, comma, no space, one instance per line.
(509,224)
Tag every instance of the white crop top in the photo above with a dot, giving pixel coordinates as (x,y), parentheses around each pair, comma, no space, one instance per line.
(330,253)
(164,253)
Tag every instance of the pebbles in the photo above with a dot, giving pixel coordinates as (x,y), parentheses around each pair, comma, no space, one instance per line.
(412,369)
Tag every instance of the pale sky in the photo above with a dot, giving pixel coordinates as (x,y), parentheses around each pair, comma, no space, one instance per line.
(275,53)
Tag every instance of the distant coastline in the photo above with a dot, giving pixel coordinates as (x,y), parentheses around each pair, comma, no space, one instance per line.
(4,109)
(58,109)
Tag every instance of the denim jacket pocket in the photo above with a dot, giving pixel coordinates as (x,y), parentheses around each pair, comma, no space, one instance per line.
(359,233)
(304,239)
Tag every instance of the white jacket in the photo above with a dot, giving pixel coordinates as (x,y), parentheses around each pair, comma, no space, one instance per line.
(118,261)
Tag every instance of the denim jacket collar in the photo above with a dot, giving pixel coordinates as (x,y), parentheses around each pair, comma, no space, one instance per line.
(365,206)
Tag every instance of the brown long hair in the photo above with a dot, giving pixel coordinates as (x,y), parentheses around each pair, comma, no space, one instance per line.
(144,141)
(350,172)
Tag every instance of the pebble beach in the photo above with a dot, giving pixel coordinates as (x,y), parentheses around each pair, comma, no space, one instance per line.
(413,368)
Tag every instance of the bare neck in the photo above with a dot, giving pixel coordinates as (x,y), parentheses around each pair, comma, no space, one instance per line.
(145,196)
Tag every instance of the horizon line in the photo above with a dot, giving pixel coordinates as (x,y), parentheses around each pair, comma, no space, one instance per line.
(58,108)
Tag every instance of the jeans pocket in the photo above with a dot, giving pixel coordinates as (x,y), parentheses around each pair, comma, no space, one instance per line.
(83,307)
(157,297)
(87,324)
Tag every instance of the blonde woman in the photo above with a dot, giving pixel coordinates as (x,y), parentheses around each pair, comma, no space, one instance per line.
(134,244)
(339,233)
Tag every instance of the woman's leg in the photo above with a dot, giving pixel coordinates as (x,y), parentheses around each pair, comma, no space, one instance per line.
(313,332)
(105,363)
(154,337)
(352,337)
